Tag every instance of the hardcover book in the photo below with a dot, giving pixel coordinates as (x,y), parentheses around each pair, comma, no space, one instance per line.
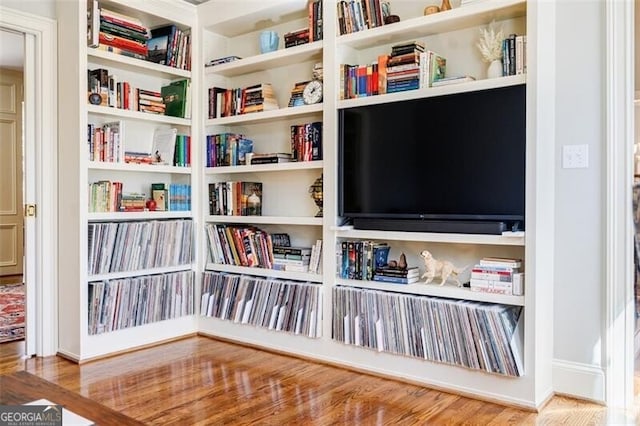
(175,99)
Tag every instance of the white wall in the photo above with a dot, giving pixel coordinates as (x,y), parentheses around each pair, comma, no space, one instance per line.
(579,243)
(46,8)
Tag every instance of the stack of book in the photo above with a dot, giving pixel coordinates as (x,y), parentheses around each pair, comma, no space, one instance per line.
(138,157)
(293,259)
(223,60)
(122,34)
(498,275)
(239,245)
(296,38)
(514,58)
(271,158)
(403,67)
(258,98)
(396,275)
(296,94)
(133,202)
(150,101)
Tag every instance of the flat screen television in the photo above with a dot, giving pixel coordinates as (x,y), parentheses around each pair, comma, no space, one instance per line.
(451,163)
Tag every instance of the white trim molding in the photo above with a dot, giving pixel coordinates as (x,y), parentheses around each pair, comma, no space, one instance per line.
(579,380)
(45,134)
(619,309)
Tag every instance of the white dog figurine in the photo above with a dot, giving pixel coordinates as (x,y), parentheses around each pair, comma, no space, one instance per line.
(439,268)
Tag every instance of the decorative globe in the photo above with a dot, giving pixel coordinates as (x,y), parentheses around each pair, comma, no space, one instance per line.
(316,193)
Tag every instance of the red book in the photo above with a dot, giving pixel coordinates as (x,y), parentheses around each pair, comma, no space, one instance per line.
(122,43)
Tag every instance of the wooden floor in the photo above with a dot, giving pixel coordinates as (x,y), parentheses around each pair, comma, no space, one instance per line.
(201,381)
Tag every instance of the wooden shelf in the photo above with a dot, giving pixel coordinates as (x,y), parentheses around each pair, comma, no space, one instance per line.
(259,168)
(476,14)
(268,61)
(446,290)
(262,272)
(267,220)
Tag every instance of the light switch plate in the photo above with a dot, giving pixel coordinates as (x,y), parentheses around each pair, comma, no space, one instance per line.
(575,156)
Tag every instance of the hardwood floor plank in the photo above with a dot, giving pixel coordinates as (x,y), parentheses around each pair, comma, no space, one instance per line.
(202,381)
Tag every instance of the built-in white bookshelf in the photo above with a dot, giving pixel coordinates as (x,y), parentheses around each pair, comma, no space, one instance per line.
(127,328)
(233,28)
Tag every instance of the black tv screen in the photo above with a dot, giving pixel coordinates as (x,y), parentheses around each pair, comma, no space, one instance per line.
(454,157)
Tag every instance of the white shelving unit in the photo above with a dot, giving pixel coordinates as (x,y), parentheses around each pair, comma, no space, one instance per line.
(222,28)
(454,34)
(75,340)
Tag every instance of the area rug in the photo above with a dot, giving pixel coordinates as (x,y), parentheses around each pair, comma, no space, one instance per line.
(11,312)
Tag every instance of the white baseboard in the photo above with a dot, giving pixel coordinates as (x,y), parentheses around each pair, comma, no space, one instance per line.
(583,381)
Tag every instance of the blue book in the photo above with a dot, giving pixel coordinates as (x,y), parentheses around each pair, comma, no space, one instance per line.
(395,280)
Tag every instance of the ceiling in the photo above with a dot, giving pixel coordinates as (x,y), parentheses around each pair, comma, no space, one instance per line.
(11,50)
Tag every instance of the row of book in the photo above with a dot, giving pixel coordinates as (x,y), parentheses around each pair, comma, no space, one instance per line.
(359,259)
(408,67)
(306,141)
(106,196)
(106,142)
(235,198)
(227,149)
(239,245)
(358,15)
(476,335)
(130,302)
(498,275)
(224,102)
(173,99)
(174,197)
(134,246)
(288,306)
(126,35)
(514,55)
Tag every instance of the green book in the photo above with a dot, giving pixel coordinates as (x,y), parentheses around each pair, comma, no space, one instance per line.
(174,97)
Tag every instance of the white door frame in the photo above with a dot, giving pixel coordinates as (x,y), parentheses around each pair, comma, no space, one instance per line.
(41,142)
(619,295)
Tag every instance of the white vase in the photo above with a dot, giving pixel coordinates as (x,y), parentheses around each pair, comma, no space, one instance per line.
(495,69)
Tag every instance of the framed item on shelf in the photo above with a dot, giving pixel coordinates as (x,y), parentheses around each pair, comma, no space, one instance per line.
(164,146)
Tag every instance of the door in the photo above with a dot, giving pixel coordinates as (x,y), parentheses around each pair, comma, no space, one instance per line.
(11,208)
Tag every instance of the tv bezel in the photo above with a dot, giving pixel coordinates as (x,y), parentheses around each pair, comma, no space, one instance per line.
(511,221)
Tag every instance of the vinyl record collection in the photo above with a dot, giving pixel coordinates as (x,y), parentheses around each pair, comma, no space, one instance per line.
(278,305)
(476,335)
(129,302)
(133,246)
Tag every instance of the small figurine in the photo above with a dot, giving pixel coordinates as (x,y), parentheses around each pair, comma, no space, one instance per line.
(400,264)
(439,268)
